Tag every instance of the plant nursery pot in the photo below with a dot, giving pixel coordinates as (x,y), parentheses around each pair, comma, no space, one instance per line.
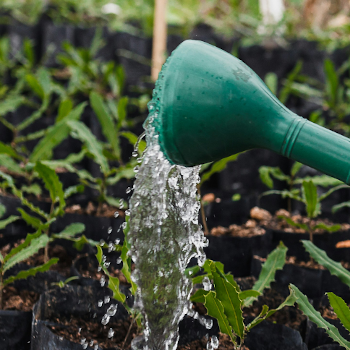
(18,32)
(134,54)
(15,330)
(53,36)
(236,252)
(270,336)
(317,338)
(308,280)
(66,303)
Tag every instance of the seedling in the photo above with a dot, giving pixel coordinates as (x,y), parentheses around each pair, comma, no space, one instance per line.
(32,244)
(226,302)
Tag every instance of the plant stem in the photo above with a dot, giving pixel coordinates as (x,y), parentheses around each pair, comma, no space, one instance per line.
(127,334)
(46,252)
(1,289)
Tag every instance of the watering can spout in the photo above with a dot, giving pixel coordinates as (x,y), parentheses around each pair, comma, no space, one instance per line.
(211,105)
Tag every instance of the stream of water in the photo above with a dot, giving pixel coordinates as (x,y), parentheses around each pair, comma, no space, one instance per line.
(164,235)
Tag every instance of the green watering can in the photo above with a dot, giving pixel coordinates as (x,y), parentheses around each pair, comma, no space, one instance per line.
(211,105)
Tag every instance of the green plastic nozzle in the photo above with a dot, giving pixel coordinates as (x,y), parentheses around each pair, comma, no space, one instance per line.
(210,105)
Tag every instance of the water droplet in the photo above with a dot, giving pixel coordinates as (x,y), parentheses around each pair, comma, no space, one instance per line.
(110,333)
(107,299)
(116,214)
(119,260)
(111,247)
(110,229)
(134,154)
(79,330)
(111,311)
(127,212)
(100,303)
(117,241)
(206,283)
(102,242)
(128,190)
(105,319)
(102,281)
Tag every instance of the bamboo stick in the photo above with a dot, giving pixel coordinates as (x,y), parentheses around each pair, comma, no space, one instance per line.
(159,37)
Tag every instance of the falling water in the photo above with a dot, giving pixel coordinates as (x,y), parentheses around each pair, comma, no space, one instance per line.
(164,236)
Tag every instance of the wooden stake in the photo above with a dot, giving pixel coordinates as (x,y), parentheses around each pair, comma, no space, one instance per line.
(159,37)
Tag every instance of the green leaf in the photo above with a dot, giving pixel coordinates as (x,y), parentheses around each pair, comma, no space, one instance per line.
(70,231)
(64,109)
(329,192)
(311,199)
(81,241)
(73,190)
(10,104)
(122,173)
(229,298)
(83,133)
(116,202)
(275,261)
(30,220)
(192,271)
(322,258)
(271,81)
(217,167)
(32,189)
(215,309)
(24,253)
(122,111)
(337,207)
(52,183)
(340,308)
(55,135)
(199,296)
(266,172)
(236,197)
(31,272)
(265,313)
(293,223)
(2,210)
(5,149)
(132,138)
(328,228)
(316,317)
(249,294)
(4,223)
(35,85)
(320,180)
(332,81)
(7,162)
(295,168)
(113,284)
(106,121)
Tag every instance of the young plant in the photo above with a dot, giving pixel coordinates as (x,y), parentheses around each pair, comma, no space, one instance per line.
(111,117)
(307,194)
(227,301)
(32,244)
(39,219)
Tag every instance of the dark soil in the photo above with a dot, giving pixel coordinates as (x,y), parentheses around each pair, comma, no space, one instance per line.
(19,300)
(92,209)
(249,229)
(95,333)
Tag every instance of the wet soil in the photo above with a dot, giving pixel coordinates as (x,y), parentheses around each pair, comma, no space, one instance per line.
(92,209)
(14,299)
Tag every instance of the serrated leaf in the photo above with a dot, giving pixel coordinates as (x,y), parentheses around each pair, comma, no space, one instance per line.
(34,84)
(322,258)
(122,173)
(55,135)
(95,147)
(340,308)
(30,220)
(199,296)
(122,111)
(249,294)
(113,284)
(9,220)
(328,228)
(31,272)
(33,189)
(10,104)
(52,183)
(10,164)
(275,261)
(215,309)
(22,254)
(70,231)
(218,166)
(320,180)
(337,207)
(229,298)
(106,121)
(81,241)
(266,173)
(315,316)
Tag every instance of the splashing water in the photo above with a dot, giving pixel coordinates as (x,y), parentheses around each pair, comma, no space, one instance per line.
(164,235)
